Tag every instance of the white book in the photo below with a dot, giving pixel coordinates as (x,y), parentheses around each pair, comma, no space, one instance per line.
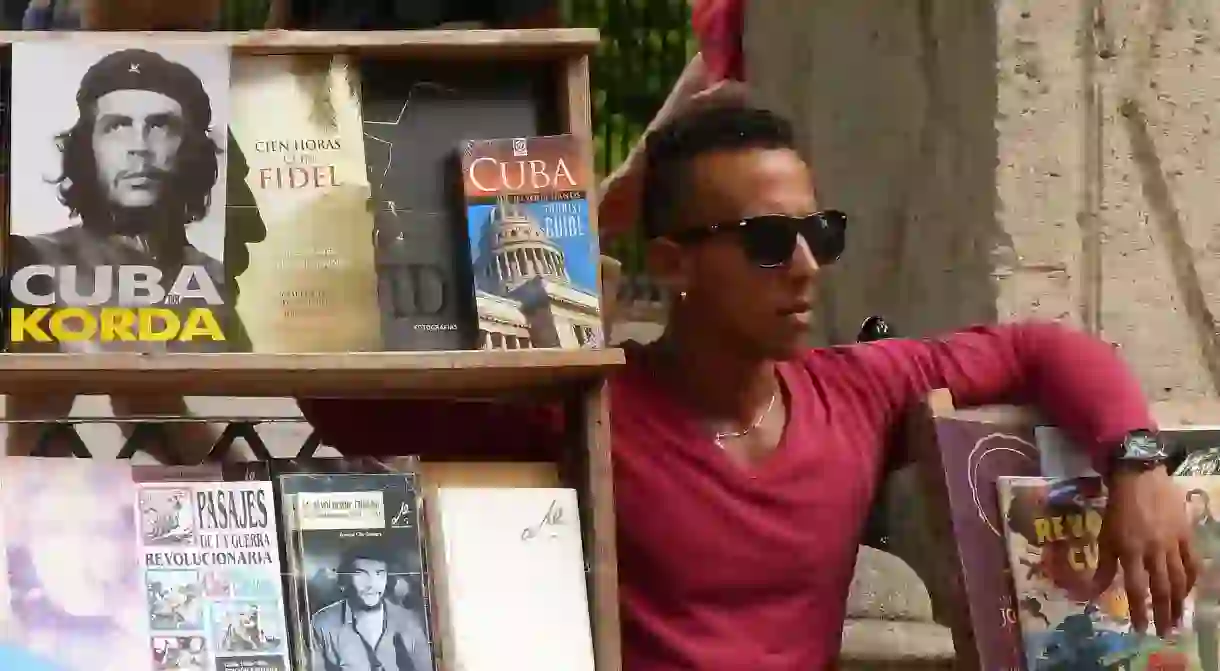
(510,579)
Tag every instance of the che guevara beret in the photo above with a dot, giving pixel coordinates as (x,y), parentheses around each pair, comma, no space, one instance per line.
(141,70)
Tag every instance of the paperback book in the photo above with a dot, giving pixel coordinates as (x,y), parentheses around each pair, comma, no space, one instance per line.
(117,217)
(211,568)
(415,118)
(1052,526)
(356,557)
(534,254)
(510,578)
(300,229)
(74,594)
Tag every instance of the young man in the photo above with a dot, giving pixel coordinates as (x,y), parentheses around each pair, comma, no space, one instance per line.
(736,444)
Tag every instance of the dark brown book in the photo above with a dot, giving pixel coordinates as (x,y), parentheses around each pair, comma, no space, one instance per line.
(963,453)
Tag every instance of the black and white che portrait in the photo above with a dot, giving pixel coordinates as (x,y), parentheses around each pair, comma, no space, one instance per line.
(372,617)
(118,159)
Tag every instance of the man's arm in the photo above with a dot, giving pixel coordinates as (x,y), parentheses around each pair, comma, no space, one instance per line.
(1077,381)
(1081,385)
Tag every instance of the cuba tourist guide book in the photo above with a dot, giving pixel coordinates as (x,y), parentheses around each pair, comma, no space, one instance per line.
(534,256)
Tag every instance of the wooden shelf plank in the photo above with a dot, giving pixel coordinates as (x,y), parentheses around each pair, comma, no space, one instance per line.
(446,44)
(464,373)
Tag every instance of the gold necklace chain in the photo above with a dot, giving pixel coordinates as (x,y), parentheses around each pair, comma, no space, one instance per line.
(722,435)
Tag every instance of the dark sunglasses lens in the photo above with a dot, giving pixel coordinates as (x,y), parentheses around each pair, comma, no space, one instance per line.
(826,235)
(769,241)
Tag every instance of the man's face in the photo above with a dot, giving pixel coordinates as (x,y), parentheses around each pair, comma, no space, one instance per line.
(136,137)
(761,312)
(1197,506)
(368,582)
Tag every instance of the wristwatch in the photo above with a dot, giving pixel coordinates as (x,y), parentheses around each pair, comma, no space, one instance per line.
(1140,450)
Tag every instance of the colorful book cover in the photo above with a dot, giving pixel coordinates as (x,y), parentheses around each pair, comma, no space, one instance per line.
(534,255)
(211,569)
(300,229)
(356,559)
(1203,613)
(74,594)
(117,235)
(1051,527)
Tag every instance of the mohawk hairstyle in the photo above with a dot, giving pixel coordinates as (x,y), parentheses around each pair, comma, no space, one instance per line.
(670,148)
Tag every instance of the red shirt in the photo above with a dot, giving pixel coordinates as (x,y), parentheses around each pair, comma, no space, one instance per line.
(722,567)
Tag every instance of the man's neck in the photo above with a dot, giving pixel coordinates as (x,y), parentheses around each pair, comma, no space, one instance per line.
(359,612)
(718,381)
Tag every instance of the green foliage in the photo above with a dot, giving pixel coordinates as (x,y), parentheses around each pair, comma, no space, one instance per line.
(645,45)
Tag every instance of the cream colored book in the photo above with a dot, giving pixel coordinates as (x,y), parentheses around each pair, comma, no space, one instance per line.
(509,578)
(299,203)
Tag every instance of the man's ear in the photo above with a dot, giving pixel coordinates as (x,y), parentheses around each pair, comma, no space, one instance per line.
(669,265)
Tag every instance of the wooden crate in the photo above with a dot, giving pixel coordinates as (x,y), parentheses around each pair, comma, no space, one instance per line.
(559,57)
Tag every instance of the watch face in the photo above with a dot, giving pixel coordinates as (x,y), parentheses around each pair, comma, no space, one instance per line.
(1142,446)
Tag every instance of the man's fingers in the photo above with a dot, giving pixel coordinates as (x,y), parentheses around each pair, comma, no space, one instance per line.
(1135,579)
(1161,590)
(1107,568)
(1179,583)
(724,91)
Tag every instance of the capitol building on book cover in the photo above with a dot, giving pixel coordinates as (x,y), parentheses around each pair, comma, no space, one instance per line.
(532,289)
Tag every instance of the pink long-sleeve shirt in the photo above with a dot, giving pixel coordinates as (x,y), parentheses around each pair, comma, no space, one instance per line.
(725,567)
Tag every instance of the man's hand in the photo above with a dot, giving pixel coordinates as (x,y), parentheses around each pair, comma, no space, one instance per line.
(1148,532)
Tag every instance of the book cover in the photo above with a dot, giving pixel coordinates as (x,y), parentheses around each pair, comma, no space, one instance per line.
(357,563)
(1051,527)
(415,118)
(964,459)
(74,593)
(534,257)
(1202,494)
(211,569)
(300,226)
(512,582)
(117,231)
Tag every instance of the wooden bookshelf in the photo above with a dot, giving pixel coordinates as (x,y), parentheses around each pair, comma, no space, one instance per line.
(463,45)
(466,373)
(559,58)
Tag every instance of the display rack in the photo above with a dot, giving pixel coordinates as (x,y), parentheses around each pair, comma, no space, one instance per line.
(559,57)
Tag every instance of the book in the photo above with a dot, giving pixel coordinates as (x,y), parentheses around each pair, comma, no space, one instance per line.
(415,118)
(355,553)
(117,234)
(1051,528)
(211,568)
(510,582)
(1202,614)
(74,594)
(300,230)
(534,256)
(967,563)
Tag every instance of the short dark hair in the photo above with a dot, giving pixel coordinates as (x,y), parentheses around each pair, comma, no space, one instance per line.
(1199,493)
(670,149)
(372,549)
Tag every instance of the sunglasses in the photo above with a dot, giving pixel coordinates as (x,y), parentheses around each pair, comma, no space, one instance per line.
(769,240)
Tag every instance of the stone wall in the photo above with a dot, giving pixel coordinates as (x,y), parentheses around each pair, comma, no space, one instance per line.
(1015,158)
